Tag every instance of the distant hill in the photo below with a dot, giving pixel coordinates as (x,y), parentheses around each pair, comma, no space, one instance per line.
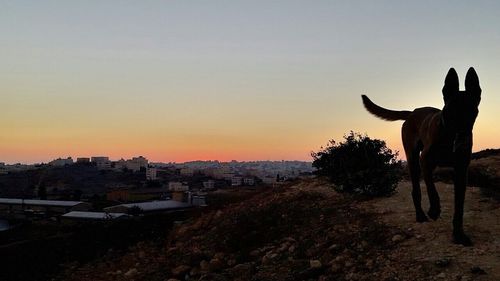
(486,153)
(66,181)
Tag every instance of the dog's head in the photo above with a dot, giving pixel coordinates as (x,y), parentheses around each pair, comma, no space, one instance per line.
(461,107)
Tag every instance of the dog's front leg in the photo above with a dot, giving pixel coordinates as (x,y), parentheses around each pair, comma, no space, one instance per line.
(459,236)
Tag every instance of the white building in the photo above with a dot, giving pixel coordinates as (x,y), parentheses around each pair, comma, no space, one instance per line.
(249,181)
(151,174)
(61,162)
(177,186)
(236,181)
(102,162)
(136,163)
(210,184)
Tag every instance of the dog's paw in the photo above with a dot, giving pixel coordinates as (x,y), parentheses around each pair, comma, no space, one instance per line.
(462,239)
(434,213)
(421,217)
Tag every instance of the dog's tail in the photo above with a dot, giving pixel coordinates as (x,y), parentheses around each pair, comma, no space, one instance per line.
(386,114)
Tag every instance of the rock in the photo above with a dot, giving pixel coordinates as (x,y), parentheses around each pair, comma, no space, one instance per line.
(268,258)
(204,265)
(195,271)
(216,264)
(336,267)
(349,264)
(441,275)
(397,238)
(444,262)
(118,272)
(231,262)
(242,269)
(180,270)
(219,256)
(315,264)
(369,264)
(334,247)
(465,278)
(255,253)
(131,272)
(477,270)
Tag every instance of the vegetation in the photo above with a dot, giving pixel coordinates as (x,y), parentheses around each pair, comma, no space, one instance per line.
(359,165)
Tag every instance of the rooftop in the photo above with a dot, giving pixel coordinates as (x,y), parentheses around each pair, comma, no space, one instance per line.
(94,215)
(57,203)
(156,205)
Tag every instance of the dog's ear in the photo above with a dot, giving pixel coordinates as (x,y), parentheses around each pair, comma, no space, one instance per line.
(472,84)
(450,85)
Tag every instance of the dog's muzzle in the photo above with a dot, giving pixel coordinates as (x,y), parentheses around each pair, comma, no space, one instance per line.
(463,142)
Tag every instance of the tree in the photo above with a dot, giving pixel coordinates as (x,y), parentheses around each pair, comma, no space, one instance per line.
(42,191)
(359,165)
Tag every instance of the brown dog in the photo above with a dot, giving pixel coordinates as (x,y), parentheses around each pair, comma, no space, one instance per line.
(433,137)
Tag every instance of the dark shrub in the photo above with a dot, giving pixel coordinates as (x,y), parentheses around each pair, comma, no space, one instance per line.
(359,165)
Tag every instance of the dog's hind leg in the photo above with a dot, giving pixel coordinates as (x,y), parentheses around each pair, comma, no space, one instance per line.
(414,168)
(428,167)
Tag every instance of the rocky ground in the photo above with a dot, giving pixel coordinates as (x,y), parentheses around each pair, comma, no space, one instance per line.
(306,231)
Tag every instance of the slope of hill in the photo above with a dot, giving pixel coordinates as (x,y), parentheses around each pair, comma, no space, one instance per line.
(305,231)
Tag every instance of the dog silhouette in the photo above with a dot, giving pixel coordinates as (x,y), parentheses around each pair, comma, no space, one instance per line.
(433,137)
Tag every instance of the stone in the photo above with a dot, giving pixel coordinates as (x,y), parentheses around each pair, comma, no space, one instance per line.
(195,271)
(397,238)
(336,267)
(180,270)
(315,263)
(216,264)
(444,262)
(131,272)
(441,275)
(204,265)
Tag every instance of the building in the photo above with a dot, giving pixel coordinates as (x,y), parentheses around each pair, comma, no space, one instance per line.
(187,172)
(102,162)
(82,160)
(151,174)
(177,186)
(61,162)
(236,181)
(150,207)
(93,216)
(210,184)
(16,207)
(249,181)
(136,163)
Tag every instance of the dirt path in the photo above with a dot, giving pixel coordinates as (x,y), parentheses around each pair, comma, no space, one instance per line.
(431,241)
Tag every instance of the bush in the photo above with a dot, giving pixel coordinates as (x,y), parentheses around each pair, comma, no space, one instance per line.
(359,165)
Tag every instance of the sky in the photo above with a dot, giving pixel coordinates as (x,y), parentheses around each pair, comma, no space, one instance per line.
(244,80)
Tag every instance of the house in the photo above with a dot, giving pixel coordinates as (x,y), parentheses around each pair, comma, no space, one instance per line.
(82,160)
(236,181)
(102,162)
(13,206)
(150,207)
(177,186)
(93,216)
(61,162)
(151,174)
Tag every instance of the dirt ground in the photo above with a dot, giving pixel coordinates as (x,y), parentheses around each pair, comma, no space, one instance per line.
(431,241)
(307,231)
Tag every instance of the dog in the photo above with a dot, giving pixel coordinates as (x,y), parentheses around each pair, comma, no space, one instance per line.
(433,137)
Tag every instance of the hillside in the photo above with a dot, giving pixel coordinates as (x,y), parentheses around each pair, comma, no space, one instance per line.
(305,231)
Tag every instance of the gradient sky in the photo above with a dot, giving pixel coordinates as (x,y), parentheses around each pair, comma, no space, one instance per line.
(246,80)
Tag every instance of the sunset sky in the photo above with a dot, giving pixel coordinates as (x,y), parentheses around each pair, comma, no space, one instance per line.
(245,80)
